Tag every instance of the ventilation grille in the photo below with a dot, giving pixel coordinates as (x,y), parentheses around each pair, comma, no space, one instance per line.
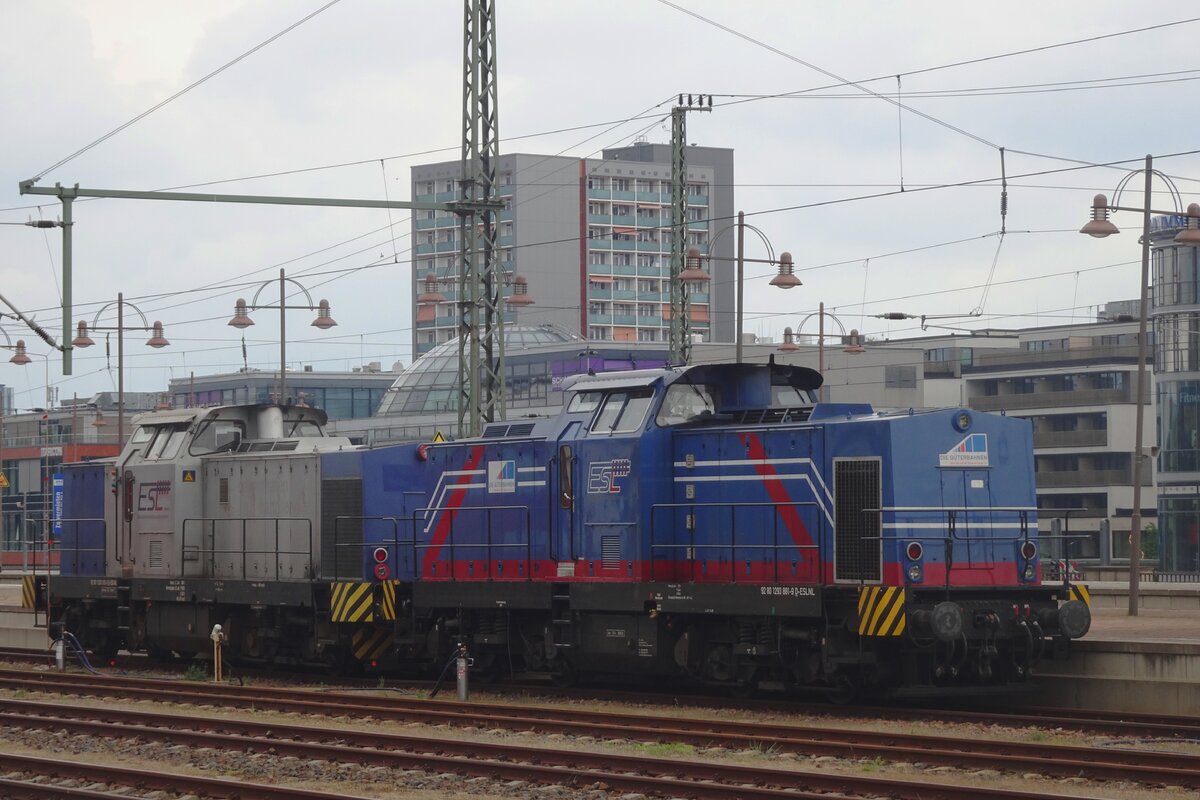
(271,446)
(506,431)
(773,416)
(156,555)
(856,542)
(341,539)
(610,552)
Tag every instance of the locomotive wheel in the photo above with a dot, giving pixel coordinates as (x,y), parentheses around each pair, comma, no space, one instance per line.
(563,673)
(489,668)
(845,690)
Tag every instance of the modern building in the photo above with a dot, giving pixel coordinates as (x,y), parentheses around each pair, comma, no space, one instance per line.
(591,238)
(1176,316)
(341,395)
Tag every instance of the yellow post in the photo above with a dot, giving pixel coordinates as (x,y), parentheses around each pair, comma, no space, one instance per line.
(217,637)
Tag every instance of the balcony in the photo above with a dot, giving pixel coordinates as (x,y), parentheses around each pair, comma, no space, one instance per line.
(1073,479)
(1030,359)
(1061,399)
(1084,438)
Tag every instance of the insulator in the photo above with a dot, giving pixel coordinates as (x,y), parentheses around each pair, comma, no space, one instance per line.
(1003,203)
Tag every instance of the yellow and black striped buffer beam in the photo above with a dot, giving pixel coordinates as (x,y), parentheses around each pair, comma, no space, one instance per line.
(370,644)
(28,592)
(1080,591)
(388,606)
(881,611)
(351,602)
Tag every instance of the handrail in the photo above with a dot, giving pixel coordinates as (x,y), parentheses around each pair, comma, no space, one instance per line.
(422,514)
(77,550)
(691,548)
(338,545)
(211,522)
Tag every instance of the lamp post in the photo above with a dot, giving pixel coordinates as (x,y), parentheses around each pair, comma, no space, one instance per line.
(156,340)
(241,320)
(784,262)
(852,340)
(1100,227)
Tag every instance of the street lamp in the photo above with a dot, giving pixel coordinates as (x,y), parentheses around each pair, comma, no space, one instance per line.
(785,279)
(1100,227)
(851,340)
(241,319)
(156,340)
(21,357)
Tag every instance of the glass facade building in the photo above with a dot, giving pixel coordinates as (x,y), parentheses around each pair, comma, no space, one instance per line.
(1176,313)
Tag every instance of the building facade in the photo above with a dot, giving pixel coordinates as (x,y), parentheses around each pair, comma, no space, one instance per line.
(591,237)
(1075,384)
(341,395)
(1176,316)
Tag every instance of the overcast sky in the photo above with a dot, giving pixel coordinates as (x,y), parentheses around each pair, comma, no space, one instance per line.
(366,80)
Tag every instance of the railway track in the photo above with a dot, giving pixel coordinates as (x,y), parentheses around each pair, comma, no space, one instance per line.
(1095,723)
(1101,764)
(500,761)
(29,778)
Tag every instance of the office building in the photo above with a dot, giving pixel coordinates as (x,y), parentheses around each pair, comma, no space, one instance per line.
(1176,317)
(1075,384)
(591,238)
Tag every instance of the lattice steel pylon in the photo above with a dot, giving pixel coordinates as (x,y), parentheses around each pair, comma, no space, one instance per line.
(481,312)
(680,345)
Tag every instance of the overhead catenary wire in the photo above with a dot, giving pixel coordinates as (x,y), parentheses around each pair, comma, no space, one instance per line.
(41,174)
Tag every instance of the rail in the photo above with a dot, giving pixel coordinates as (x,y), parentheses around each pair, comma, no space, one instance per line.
(196,553)
(732,546)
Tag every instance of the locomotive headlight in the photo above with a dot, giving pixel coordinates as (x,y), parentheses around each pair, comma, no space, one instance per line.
(1028,550)
(380,554)
(914,573)
(962,421)
(914,551)
(1030,571)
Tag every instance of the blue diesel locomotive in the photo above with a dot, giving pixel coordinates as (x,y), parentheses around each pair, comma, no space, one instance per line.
(711,522)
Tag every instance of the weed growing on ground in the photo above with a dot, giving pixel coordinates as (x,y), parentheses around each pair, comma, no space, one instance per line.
(668,749)
(196,672)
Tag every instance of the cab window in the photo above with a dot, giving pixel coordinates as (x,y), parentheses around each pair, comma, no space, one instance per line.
(623,411)
(166,444)
(584,402)
(788,397)
(215,435)
(685,402)
(143,434)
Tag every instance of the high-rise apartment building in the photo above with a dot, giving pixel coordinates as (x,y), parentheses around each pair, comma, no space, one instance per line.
(591,237)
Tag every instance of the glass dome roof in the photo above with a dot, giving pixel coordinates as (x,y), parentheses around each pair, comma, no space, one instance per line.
(428,383)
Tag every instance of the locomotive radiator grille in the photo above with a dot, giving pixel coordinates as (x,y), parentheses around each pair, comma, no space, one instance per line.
(881,611)
(341,528)
(610,552)
(857,544)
